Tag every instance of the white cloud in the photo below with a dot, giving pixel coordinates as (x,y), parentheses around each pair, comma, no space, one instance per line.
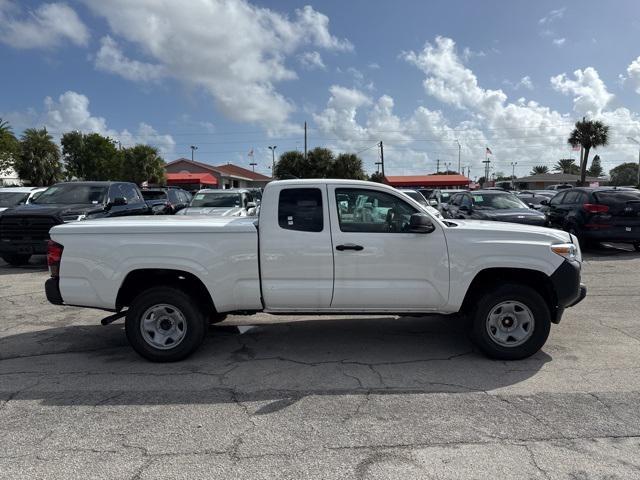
(311,60)
(48,26)
(552,16)
(374,66)
(633,74)
(559,41)
(111,59)
(590,93)
(525,82)
(232,49)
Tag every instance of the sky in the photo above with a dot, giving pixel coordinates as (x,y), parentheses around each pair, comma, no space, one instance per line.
(434,81)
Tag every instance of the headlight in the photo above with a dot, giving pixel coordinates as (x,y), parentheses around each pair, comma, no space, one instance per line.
(566,250)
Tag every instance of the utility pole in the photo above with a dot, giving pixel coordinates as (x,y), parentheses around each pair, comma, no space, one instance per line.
(378,167)
(305,140)
(437,165)
(273,159)
(253,166)
(193,149)
(469,172)
(486,169)
(447,167)
(382,157)
(513,172)
(459,151)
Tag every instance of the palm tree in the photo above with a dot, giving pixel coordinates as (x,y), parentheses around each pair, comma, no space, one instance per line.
(539,170)
(567,165)
(8,145)
(588,134)
(39,159)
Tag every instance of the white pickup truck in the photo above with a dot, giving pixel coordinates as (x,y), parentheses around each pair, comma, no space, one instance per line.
(318,246)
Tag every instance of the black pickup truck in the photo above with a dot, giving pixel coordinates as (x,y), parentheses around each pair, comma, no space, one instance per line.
(24,230)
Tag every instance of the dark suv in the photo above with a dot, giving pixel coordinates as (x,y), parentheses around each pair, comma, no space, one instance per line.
(24,230)
(494,205)
(166,201)
(598,214)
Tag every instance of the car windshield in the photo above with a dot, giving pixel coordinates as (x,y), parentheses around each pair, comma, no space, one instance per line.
(216,200)
(154,194)
(496,201)
(11,199)
(68,194)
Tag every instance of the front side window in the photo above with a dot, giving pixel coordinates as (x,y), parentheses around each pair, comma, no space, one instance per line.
(69,193)
(130,193)
(301,209)
(11,199)
(557,200)
(361,210)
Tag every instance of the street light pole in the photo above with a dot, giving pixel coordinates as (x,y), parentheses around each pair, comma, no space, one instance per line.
(193,149)
(273,159)
(513,172)
(638,174)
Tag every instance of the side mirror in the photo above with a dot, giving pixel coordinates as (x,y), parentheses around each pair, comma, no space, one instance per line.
(544,202)
(117,202)
(421,223)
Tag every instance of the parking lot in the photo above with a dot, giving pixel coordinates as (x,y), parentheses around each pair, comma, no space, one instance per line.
(276,397)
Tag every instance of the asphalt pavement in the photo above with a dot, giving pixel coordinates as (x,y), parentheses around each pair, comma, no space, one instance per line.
(321,397)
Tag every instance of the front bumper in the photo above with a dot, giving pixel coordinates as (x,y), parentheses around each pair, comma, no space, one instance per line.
(569,291)
(52,290)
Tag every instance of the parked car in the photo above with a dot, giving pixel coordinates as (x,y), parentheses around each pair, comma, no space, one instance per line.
(559,186)
(166,201)
(440,198)
(418,197)
(232,202)
(598,214)
(493,205)
(533,199)
(13,196)
(311,254)
(24,230)
(544,193)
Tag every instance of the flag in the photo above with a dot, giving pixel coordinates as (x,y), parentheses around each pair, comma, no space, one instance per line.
(489,152)
(250,154)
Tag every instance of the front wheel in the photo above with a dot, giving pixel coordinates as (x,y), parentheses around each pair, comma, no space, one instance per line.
(164,324)
(16,260)
(511,322)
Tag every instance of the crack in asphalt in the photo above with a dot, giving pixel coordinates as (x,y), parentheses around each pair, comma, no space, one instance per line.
(534,462)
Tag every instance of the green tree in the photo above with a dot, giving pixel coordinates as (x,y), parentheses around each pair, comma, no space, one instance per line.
(376,177)
(142,163)
(347,165)
(539,170)
(38,161)
(624,174)
(567,165)
(9,146)
(596,169)
(320,163)
(588,134)
(91,156)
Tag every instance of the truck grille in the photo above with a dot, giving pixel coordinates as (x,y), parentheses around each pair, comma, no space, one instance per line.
(27,228)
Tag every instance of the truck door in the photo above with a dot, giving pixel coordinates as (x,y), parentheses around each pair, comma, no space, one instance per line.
(380,266)
(296,255)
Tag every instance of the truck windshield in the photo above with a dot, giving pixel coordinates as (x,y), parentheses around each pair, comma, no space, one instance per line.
(69,194)
(497,201)
(11,199)
(216,200)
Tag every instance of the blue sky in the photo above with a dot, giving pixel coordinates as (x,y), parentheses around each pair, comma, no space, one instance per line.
(234,76)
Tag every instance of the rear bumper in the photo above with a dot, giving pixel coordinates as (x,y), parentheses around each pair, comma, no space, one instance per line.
(52,289)
(567,286)
(613,234)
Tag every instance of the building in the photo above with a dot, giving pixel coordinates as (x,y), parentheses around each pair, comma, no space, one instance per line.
(544,180)
(193,176)
(9,178)
(428,181)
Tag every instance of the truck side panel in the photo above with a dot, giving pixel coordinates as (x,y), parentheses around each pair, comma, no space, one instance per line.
(95,266)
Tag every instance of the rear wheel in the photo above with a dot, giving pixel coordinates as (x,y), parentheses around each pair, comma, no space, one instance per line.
(164,324)
(15,259)
(510,322)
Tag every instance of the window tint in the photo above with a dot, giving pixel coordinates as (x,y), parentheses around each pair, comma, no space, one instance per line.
(466,201)
(557,199)
(571,197)
(173,196)
(301,209)
(361,210)
(456,200)
(130,193)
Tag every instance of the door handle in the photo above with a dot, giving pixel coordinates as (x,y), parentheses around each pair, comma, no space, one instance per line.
(349,246)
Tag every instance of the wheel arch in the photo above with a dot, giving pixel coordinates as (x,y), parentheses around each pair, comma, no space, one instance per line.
(139,280)
(535,279)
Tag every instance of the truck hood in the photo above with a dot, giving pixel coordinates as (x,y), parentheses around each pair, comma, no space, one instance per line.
(214,211)
(498,231)
(55,210)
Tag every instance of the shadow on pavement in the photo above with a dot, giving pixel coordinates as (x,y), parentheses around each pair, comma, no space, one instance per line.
(279,363)
(605,251)
(37,263)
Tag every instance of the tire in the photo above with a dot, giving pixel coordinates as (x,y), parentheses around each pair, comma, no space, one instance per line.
(15,259)
(502,338)
(175,325)
(217,318)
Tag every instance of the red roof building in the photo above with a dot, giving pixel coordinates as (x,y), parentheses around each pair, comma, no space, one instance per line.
(225,176)
(438,181)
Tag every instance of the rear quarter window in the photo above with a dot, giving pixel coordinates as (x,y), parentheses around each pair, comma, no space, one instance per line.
(301,209)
